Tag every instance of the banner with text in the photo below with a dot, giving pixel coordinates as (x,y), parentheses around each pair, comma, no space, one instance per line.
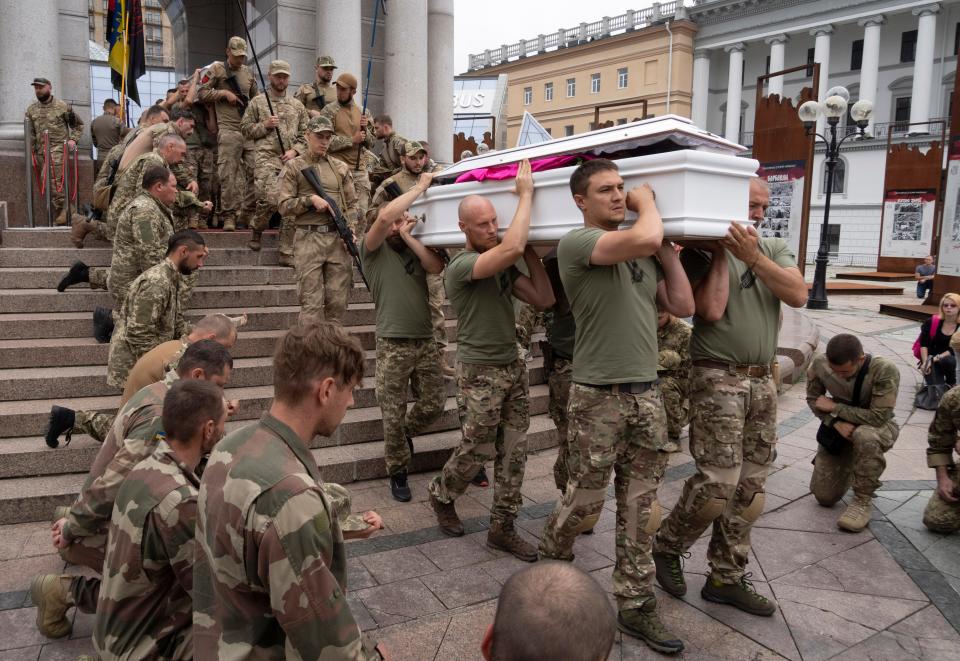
(784,216)
(907,221)
(949,258)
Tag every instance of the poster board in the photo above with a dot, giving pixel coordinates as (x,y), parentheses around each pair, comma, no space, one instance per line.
(784,217)
(908,223)
(948,261)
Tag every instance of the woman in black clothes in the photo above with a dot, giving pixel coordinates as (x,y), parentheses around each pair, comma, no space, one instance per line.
(937,361)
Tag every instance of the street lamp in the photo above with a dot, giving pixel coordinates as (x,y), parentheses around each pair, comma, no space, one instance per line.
(832,109)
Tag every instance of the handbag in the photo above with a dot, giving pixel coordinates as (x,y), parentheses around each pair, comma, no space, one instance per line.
(829,438)
(934,326)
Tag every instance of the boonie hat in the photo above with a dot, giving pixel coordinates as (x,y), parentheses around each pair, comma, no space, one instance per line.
(319,125)
(237,46)
(279,66)
(326,61)
(346,80)
(413,146)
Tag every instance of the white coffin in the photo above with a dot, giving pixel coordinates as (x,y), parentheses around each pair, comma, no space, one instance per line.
(700,188)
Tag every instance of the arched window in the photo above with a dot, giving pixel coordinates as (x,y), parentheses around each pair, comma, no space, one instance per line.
(839,177)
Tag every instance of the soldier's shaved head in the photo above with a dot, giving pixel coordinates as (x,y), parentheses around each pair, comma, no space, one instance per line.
(217,327)
(551,610)
(472,206)
(170,139)
(153,115)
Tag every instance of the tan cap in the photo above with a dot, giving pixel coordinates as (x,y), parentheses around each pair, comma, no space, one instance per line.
(279,66)
(319,125)
(237,46)
(413,146)
(326,61)
(346,80)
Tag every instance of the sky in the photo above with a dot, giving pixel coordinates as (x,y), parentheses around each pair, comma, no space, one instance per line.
(482,24)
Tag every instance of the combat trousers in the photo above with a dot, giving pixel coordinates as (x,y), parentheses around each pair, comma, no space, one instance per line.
(559,379)
(265,178)
(624,434)
(99,277)
(527,319)
(53,181)
(436,298)
(860,465)
(324,275)
(95,423)
(87,552)
(403,363)
(361,181)
(676,404)
(494,409)
(733,436)
(235,169)
(203,166)
(941,516)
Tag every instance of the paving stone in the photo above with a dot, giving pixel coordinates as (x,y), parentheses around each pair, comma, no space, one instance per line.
(13,539)
(66,650)
(21,654)
(456,552)
(20,629)
(414,641)
(908,518)
(803,514)
(886,645)
(360,613)
(409,517)
(399,601)
(397,565)
(358,577)
(944,554)
(16,575)
(500,569)
(462,587)
(780,552)
(465,633)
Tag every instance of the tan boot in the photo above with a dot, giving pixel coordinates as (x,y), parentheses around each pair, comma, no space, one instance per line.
(444,365)
(193,223)
(229,224)
(80,228)
(857,515)
(51,595)
(285,260)
(504,537)
(254,242)
(447,518)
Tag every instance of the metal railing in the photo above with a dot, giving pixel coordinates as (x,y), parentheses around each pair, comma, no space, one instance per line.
(900,130)
(605,27)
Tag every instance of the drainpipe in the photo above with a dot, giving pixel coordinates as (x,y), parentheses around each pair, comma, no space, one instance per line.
(669,65)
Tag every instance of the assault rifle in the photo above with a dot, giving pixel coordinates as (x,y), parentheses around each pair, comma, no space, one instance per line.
(338,220)
(242,99)
(319,98)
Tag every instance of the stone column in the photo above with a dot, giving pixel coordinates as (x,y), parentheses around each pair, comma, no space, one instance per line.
(440,79)
(701,88)
(923,66)
(339,24)
(405,68)
(821,54)
(29,47)
(778,47)
(734,91)
(870,63)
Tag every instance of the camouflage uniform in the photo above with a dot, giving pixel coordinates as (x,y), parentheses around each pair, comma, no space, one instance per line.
(150,315)
(145,609)
(235,163)
(673,369)
(324,268)
(52,117)
(293,124)
(939,515)
(182,171)
(346,120)
(95,424)
(862,463)
(143,231)
(202,163)
(390,161)
(315,96)
(558,366)
(282,592)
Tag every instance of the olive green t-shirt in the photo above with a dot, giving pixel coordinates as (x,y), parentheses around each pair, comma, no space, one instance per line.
(747,332)
(399,286)
(615,311)
(486,330)
(558,320)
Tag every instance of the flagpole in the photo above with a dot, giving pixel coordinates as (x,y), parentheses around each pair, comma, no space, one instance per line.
(126,59)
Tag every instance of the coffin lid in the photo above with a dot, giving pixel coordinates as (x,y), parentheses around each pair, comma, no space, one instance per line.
(679,130)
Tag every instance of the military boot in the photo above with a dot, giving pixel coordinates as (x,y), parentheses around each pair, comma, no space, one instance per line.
(447,518)
(857,515)
(739,595)
(193,223)
(229,224)
(80,228)
(254,242)
(645,624)
(504,537)
(444,365)
(285,260)
(78,273)
(399,488)
(61,422)
(51,595)
(102,324)
(670,572)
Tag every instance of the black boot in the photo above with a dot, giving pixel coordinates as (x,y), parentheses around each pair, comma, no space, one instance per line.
(102,324)
(61,422)
(399,488)
(79,272)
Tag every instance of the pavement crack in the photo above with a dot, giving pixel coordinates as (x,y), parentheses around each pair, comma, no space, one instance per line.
(443,638)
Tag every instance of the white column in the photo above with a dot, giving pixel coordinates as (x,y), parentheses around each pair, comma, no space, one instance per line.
(405,73)
(821,54)
(778,47)
(870,63)
(734,91)
(701,88)
(440,84)
(339,25)
(923,66)
(29,48)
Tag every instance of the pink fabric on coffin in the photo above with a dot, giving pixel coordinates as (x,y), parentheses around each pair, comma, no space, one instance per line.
(509,171)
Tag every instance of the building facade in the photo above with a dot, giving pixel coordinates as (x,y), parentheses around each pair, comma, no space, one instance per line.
(157,32)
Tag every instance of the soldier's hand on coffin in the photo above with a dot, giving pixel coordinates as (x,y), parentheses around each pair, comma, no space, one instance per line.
(743,242)
(271,122)
(193,187)
(423,183)
(524,183)
(640,196)
(408,222)
(318,203)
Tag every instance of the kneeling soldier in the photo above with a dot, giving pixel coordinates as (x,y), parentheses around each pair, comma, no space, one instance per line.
(943,510)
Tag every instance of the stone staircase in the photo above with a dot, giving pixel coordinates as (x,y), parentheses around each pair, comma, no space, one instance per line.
(48,356)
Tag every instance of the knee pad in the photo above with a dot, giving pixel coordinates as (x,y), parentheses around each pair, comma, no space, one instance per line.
(709,510)
(654,519)
(754,508)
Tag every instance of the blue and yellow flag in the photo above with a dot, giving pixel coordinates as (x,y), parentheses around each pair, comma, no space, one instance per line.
(125,42)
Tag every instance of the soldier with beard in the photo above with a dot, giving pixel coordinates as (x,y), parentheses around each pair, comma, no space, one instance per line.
(351,128)
(315,96)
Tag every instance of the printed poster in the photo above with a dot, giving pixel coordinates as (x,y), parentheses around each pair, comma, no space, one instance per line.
(785,214)
(948,262)
(908,217)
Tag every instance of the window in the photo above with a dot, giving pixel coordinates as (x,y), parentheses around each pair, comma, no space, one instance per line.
(956,39)
(810,61)
(594,83)
(621,78)
(908,46)
(856,55)
(833,238)
(839,178)
(527,96)
(901,109)
(571,87)
(548,91)
(568,129)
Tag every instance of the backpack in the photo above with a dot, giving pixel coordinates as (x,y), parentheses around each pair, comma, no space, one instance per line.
(934,327)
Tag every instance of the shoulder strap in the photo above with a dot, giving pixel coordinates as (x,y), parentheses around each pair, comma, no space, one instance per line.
(934,325)
(858,384)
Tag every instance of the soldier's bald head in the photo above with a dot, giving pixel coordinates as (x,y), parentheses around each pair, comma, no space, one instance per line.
(474,206)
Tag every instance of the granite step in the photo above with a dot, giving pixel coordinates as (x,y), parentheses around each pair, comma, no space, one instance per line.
(65,257)
(33,498)
(22,237)
(210,276)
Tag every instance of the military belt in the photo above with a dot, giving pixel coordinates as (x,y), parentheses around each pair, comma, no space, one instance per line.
(632,388)
(756,371)
(317,228)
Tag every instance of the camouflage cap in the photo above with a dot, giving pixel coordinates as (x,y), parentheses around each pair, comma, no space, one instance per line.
(326,61)
(40,81)
(279,66)
(319,125)
(414,146)
(237,46)
(346,80)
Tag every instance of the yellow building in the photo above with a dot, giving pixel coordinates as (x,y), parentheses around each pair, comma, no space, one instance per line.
(158,33)
(603,76)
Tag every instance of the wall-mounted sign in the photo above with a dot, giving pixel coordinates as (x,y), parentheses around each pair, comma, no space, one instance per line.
(784,216)
(473,102)
(908,223)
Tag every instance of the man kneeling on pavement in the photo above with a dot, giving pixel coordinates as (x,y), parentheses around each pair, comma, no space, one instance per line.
(942,513)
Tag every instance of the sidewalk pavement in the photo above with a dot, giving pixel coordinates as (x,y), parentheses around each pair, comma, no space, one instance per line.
(889,592)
